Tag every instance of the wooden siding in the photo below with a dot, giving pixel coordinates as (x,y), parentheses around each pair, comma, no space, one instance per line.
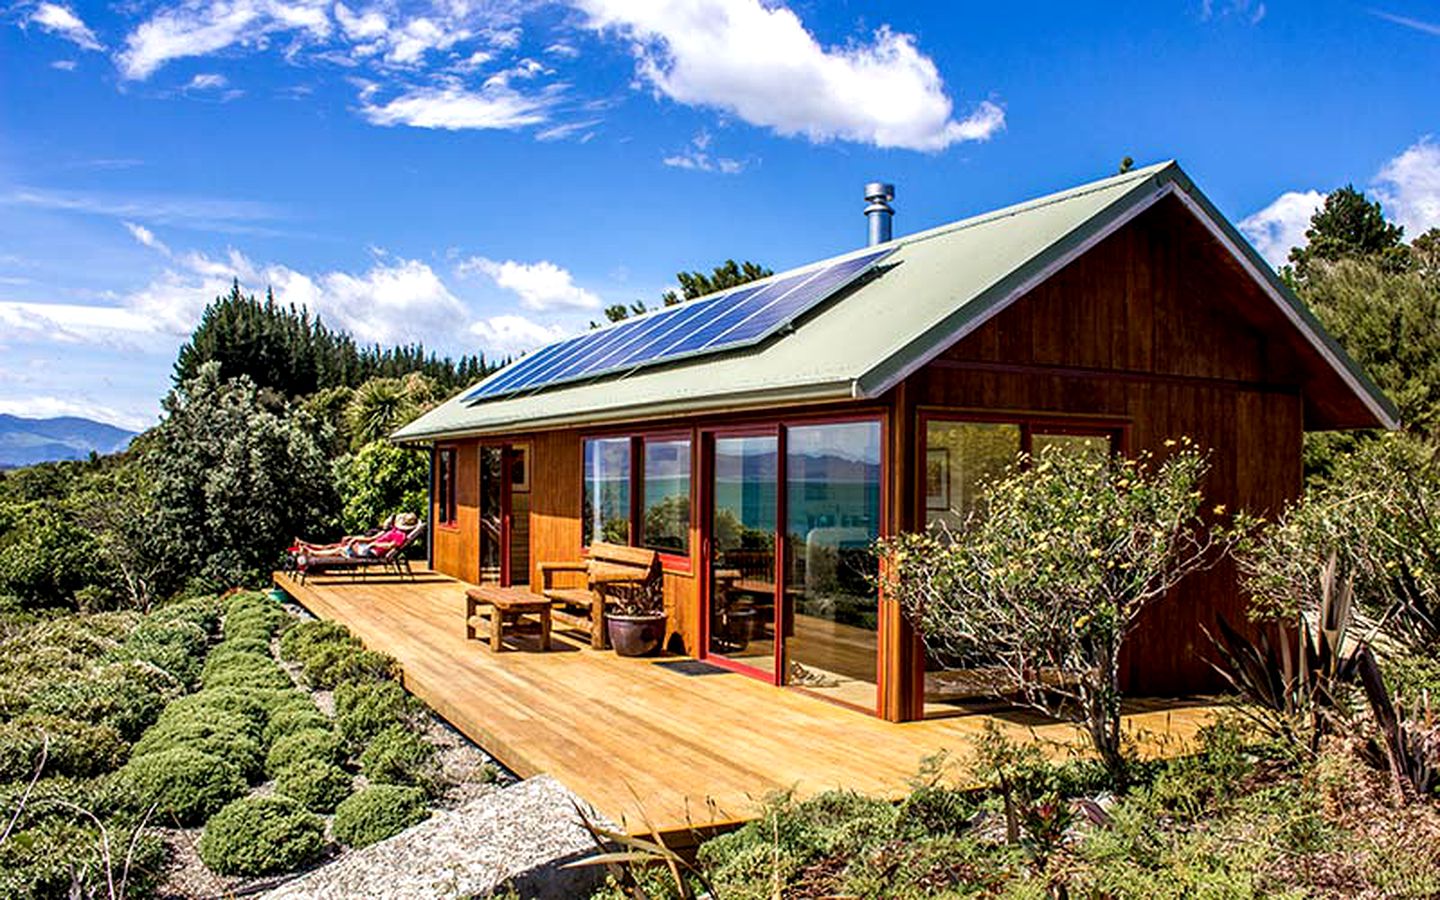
(1147,330)
(639,741)
(456,548)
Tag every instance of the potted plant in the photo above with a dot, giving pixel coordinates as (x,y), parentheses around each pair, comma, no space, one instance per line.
(637,626)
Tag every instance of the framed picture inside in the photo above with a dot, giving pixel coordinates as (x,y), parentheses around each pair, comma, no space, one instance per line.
(937,479)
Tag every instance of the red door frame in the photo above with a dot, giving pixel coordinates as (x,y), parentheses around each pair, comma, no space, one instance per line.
(783,611)
(507,456)
(707,556)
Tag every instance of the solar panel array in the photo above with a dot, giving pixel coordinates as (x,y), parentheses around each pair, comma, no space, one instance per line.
(740,317)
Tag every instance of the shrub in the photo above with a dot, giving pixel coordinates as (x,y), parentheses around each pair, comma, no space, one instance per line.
(110,697)
(364,709)
(261,836)
(308,745)
(239,647)
(296,643)
(330,665)
(251,617)
(244,670)
(255,705)
(226,735)
(175,647)
(378,812)
(202,612)
(319,786)
(289,718)
(399,756)
(1053,572)
(81,749)
(184,785)
(61,858)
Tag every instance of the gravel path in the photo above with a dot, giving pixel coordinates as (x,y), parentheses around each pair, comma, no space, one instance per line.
(518,837)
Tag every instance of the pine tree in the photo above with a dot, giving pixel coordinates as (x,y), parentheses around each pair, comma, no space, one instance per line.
(1350,226)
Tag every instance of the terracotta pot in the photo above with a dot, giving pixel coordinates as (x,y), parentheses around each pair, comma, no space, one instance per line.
(635,635)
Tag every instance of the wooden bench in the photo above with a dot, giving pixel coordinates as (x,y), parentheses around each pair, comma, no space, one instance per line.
(508,609)
(612,573)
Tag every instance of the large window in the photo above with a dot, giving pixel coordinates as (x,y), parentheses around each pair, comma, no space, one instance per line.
(832,516)
(606,514)
(445,512)
(665,520)
(637,491)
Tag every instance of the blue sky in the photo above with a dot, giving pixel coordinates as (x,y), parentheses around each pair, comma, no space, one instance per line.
(483,174)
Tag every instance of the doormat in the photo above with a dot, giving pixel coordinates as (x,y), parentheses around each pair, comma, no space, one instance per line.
(693,667)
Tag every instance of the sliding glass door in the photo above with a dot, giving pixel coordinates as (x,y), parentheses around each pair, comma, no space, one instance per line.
(742,614)
(793,512)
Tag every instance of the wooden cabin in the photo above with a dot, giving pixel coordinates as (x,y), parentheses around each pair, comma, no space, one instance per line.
(762,456)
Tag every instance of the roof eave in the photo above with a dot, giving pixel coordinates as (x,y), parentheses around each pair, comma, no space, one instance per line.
(789,395)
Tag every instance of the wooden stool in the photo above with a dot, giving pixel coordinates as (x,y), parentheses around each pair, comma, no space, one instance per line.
(507,607)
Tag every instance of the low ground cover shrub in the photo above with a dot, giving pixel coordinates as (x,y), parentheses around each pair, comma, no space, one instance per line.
(378,812)
(400,756)
(67,747)
(290,716)
(118,695)
(62,858)
(318,786)
(297,641)
(332,664)
(364,709)
(183,785)
(311,745)
(228,735)
(244,670)
(261,836)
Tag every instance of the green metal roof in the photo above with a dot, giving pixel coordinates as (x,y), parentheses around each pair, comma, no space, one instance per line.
(936,287)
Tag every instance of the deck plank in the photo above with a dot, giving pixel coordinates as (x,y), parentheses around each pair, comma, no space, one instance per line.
(639,742)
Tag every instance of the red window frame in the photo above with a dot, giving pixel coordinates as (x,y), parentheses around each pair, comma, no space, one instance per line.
(669,560)
(447,510)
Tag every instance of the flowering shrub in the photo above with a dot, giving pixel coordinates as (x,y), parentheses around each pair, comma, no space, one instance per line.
(1047,578)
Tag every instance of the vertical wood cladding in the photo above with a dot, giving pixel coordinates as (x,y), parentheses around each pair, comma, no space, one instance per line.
(1149,329)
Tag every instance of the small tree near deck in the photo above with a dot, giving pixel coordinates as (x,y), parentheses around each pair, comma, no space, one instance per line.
(1048,577)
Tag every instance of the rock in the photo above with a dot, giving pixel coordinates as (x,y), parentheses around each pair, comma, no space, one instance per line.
(520,836)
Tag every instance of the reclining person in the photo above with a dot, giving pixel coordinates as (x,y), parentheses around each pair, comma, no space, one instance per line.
(394,535)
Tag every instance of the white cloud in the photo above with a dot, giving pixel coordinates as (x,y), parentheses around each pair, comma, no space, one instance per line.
(62,21)
(200,213)
(52,407)
(203,27)
(697,158)
(540,285)
(69,323)
(1409,187)
(452,107)
(759,63)
(207,82)
(1248,11)
(146,237)
(569,129)
(1417,24)
(513,335)
(1281,225)
(64,65)
(362,26)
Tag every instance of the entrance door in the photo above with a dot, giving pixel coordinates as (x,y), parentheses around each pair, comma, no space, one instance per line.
(741,536)
(504,514)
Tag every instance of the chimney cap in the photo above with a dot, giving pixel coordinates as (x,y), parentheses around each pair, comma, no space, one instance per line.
(879,190)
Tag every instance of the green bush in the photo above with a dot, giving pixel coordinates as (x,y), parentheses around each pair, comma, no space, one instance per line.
(244,670)
(61,858)
(364,709)
(110,697)
(251,617)
(227,735)
(48,558)
(255,705)
(51,796)
(184,785)
(319,786)
(308,745)
(288,718)
(240,647)
(261,836)
(378,812)
(202,612)
(329,665)
(399,756)
(176,647)
(299,640)
(75,748)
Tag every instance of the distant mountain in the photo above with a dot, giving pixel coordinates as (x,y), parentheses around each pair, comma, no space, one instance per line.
(24,442)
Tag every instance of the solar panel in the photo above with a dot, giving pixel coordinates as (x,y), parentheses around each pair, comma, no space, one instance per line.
(736,318)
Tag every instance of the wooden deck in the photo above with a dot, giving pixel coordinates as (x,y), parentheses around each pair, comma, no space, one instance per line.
(627,734)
